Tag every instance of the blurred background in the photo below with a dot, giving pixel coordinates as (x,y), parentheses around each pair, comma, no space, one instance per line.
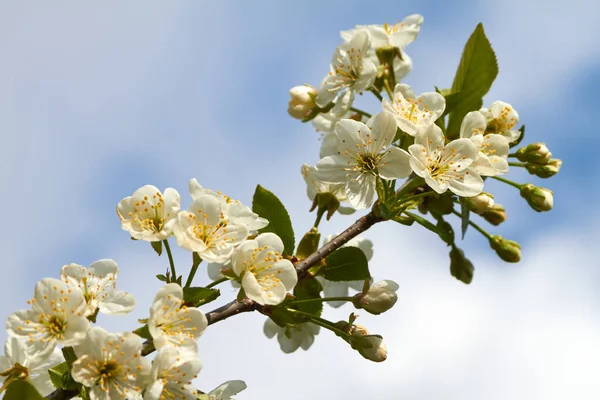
(97,100)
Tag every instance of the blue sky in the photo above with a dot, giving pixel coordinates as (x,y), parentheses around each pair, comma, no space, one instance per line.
(97,100)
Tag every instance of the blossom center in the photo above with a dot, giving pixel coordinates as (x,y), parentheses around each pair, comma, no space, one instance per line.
(107,372)
(410,109)
(211,235)
(260,265)
(54,327)
(150,214)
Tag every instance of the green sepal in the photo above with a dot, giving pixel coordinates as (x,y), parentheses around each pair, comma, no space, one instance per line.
(143,332)
(157,246)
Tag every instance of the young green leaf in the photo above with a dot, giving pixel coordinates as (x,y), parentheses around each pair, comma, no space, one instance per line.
(346,264)
(22,390)
(268,206)
(194,295)
(476,72)
(143,332)
(309,244)
(61,377)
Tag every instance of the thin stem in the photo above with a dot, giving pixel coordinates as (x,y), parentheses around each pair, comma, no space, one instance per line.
(361,225)
(168,248)
(366,114)
(376,93)
(388,89)
(513,155)
(511,183)
(318,219)
(415,197)
(474,225)
(195,264)
(215,283)
(321,322)
(517,164)
(320,299)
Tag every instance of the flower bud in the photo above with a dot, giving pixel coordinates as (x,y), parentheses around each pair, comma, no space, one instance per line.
(302,102)
(536,153)
(507,250)
(379,298)
(545,171)
(460,266)
(443,205)
(370,347)
(496,215)
(481,203)
(540,199)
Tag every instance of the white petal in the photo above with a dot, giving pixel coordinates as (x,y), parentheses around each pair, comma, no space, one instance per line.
(117,302)
(470,186)
(361,191)
(472,124)
(271,240)
(394,164)
(332,169)
(383,131)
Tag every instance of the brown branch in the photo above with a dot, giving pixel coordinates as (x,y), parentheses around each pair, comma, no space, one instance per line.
(361,225)
(246,305)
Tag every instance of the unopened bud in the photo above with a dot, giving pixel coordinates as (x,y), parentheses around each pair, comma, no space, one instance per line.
(302,102)
(538,198)
(536,153)
(370,347)
(508,250)
(460,266)
(481,203)
(496,215)
(545,171)
(379,298)
(443,204)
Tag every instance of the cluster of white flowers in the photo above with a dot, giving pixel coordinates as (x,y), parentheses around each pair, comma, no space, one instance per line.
(110,365)
(217,228)
(356,153)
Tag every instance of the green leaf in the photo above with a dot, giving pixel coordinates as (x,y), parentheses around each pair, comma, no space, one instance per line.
(309,244)
(346,264)
(464,219)
(22,390)
(200,294)
(61,377)
(143,332)
(309,289)
(476,72)
(268,206)
(157,246)
(452,100)
(161,277)
(460,266)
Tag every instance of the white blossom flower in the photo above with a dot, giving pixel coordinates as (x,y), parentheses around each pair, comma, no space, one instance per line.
(501,118)
(397,35)
(98,283)
(110,365)
(171,376)
(341,289)
(301,335)
(445,166)
(314,185)
(35,368)
(56,317)
(363,154)
(206,229)
(148,214)
(493,148)
(266,276)
(172,323)
(237,212)
(227,390)
(351,71)
(378,350)
(414,113)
